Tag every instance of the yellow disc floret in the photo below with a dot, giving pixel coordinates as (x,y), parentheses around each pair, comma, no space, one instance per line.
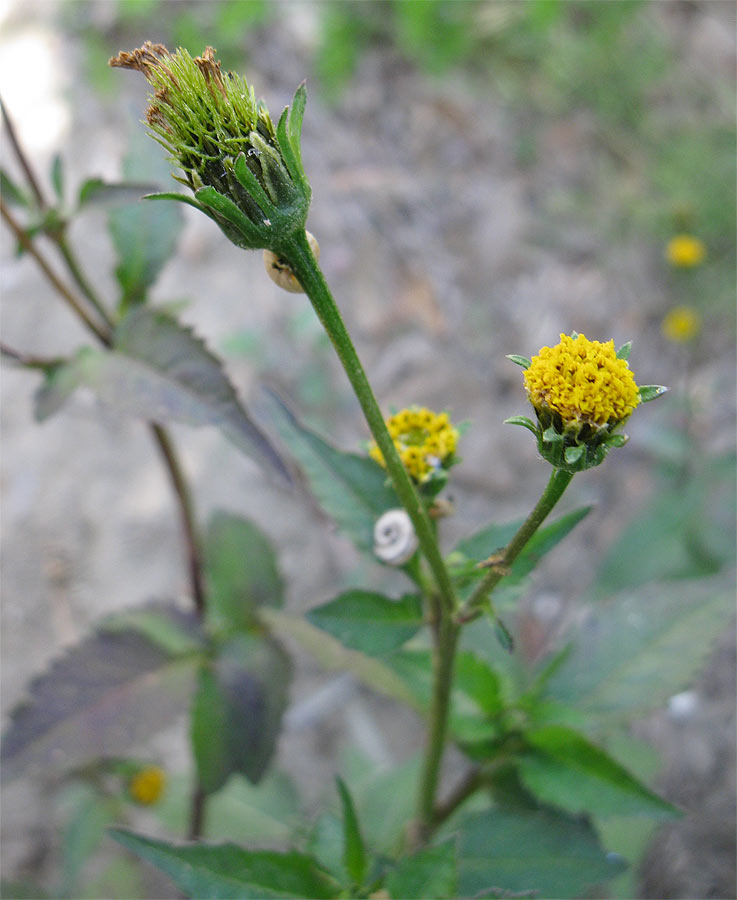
(425,441)
(147,785)
(583,382)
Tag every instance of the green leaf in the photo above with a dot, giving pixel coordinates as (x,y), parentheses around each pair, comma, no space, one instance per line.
(57,177)
(651,391)
(431,872)
(87,812)
(237,712)
(351,489)
(355,860)
(172,629)
(479,682)
(370,622)
(503,850)
(100,193)
(227,872)
(160,371)
(642,648)
(241,569)
(11,193)
(144,235)
(523,361)
(523,421)
(562,768)
(332,655)
(624,350)
(106,694)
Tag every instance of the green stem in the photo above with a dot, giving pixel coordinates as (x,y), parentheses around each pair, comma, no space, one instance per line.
(559,481)
(444,650)
(78,275)
(297,253)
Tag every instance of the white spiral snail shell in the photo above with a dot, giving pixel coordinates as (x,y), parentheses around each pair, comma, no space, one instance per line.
(280,273)
(395,540)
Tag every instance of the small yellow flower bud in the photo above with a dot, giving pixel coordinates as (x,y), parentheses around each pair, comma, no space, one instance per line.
(426,442)
(685,251)
(147,785)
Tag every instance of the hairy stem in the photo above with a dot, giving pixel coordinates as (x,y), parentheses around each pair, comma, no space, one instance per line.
(559,481)
(297,253)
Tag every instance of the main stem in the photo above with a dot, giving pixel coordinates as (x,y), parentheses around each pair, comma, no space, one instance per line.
(297,253)
(559,481)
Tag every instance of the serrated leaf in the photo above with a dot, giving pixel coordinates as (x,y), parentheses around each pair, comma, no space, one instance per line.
(160,371)
(227,872)
(144,235)
(368,621)
(430,872)
(562,768)
(642,648)
(523,361)
(238,708)
(11,193)
(351,489)
(241,569)
(98,192)
(538,851)
(355,861)
(175,630)
(105,695)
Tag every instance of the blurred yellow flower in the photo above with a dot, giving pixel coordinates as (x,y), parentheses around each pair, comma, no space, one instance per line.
(425,441)
(681,324)
(147,785)
(684,251)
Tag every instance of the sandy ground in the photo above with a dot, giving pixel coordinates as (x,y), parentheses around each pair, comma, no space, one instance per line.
(431,239)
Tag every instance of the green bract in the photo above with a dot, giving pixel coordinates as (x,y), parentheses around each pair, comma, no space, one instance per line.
(245,173)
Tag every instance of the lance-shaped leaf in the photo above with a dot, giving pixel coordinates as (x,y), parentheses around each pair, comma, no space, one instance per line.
(351,489)
(227,872)
(238,709)
(160,371)
(538,852)
(370,622)
(639,649)
(106,694)
(11,193)
(355,860)
(241,569)
(563,768)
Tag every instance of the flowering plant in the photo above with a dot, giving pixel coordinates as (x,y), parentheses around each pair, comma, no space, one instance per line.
(532,780)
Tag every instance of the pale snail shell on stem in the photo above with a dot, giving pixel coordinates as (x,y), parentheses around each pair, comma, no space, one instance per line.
(395,541)
(280,273)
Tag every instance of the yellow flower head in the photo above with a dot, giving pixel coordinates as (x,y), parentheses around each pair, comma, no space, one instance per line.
(685,251)
(147,785)
(681,324)
(583,382)
(582,392)
(426,441)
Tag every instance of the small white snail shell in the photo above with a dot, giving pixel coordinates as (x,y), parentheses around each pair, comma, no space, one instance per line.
(280,273)
(395,540)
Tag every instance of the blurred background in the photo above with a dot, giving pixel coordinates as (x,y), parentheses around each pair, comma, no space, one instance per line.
(486,175)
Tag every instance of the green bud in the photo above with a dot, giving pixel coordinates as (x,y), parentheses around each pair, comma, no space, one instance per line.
(246,173)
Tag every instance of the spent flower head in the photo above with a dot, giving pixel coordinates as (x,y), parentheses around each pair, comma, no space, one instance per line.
(147,785)
(426,443)
(684,251)
(246,173)
(582,392)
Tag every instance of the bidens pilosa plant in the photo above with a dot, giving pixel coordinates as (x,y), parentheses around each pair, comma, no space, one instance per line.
(517,816)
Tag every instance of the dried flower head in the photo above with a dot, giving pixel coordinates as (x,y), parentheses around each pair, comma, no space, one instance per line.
(681,324)
(245,172)
(582,392)
(685,251)
(147,785)
(426,442)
